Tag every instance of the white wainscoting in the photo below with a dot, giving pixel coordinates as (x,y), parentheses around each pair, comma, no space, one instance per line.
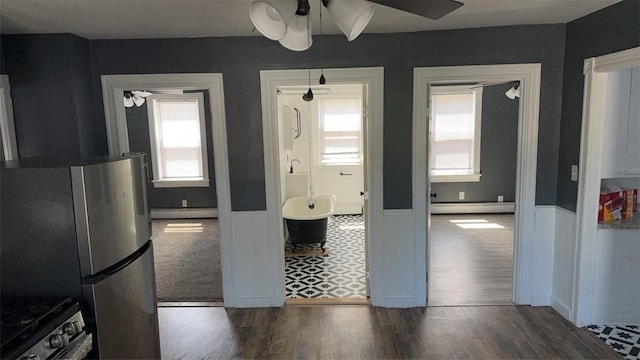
(396,277)
(616,288)
(564,261)
(256,281)
(188,213)
(473,208)
(542,254)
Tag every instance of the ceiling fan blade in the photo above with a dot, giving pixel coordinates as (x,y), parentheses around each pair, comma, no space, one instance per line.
(432,9)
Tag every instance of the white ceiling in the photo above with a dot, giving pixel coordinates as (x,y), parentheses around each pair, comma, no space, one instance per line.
(130,19)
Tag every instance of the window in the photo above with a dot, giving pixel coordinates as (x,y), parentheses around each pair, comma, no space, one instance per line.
(340,132)
(454,130)
(178,140)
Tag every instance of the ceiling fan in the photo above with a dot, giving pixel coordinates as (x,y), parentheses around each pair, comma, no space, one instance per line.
(293,29)
(135,97)
(512,93)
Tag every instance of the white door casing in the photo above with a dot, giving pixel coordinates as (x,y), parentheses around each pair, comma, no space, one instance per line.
(113,87)
(596,72)
(7,126)
(270,80)
(529,77)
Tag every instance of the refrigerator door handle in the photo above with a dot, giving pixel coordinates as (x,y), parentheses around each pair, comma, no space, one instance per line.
(94,278)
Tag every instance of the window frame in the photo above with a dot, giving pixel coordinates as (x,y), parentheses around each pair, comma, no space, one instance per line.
(158,181)
(320,132)
(475,174)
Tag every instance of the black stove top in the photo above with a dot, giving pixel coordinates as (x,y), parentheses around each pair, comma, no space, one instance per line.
(26,320)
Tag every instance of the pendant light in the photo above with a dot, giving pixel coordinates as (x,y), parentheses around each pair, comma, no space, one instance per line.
(322,80)
(308,96)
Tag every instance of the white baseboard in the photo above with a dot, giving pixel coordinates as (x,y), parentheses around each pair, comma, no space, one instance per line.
(540,300)
(561,308)
(399,301)
(473,208)
(193,213)
(348,208)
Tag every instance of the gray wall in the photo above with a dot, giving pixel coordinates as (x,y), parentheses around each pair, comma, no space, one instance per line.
(498,149)
(240,59)
(612,29)
(167,198)
(52,94)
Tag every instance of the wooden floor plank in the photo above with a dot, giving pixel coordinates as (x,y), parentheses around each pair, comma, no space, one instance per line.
(471,266)
(365,332)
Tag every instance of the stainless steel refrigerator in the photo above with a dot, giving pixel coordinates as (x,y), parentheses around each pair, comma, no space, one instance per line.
(81,228)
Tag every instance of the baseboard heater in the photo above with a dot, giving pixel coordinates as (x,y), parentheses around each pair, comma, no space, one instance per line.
(473,208)
(193,213)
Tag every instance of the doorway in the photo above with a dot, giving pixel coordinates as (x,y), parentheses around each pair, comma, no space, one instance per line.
(371,80)
(114,87)
(528,76)
(472,153)
(322,154)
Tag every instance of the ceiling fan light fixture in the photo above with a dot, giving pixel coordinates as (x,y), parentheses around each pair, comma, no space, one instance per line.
(128,100)
(141,93)
(268,20)
(351,16)
(298,35)
(513,93)
(137,100)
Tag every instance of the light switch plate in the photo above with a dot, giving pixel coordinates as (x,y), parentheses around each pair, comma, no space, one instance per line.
(574,172)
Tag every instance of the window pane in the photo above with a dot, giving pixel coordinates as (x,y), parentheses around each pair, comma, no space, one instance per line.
(340,129)
(179,138)
(453,131)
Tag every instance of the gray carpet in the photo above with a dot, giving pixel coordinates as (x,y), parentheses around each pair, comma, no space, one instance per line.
(187,259)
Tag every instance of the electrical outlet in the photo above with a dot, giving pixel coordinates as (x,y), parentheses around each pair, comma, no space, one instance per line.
(461,195)
(184,203)
(500,198)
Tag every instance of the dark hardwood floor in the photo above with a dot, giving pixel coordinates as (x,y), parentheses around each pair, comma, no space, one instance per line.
(364,332)
(471,260)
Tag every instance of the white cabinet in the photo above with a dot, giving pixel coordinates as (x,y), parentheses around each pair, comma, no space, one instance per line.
(621,150)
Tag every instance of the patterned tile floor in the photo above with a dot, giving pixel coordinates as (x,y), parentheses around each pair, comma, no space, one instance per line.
(625,339)
(341,274)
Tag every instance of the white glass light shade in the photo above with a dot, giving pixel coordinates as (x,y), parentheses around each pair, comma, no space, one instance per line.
(141,93)
(128,101)
(298,36)
(138,100)
(268,20)
(513,93)
(351,16)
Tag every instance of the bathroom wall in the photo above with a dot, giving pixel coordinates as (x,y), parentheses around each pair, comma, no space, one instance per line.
(325,179)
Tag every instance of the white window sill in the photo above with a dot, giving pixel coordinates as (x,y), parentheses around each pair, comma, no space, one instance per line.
(176,183)
(455,178)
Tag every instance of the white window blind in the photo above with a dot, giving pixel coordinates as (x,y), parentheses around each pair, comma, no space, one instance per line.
(455,132)
(340,131)
(179,138)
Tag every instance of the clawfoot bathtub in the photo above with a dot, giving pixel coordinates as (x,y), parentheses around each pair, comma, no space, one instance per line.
(306,219)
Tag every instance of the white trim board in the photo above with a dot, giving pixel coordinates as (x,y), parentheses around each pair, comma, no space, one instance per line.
(529,77)
(473,208)
(373,77)
(190,213)
(7,126)
(113,87)
(596,71)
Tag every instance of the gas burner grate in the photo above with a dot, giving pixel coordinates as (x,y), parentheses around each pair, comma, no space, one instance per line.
(20,317)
